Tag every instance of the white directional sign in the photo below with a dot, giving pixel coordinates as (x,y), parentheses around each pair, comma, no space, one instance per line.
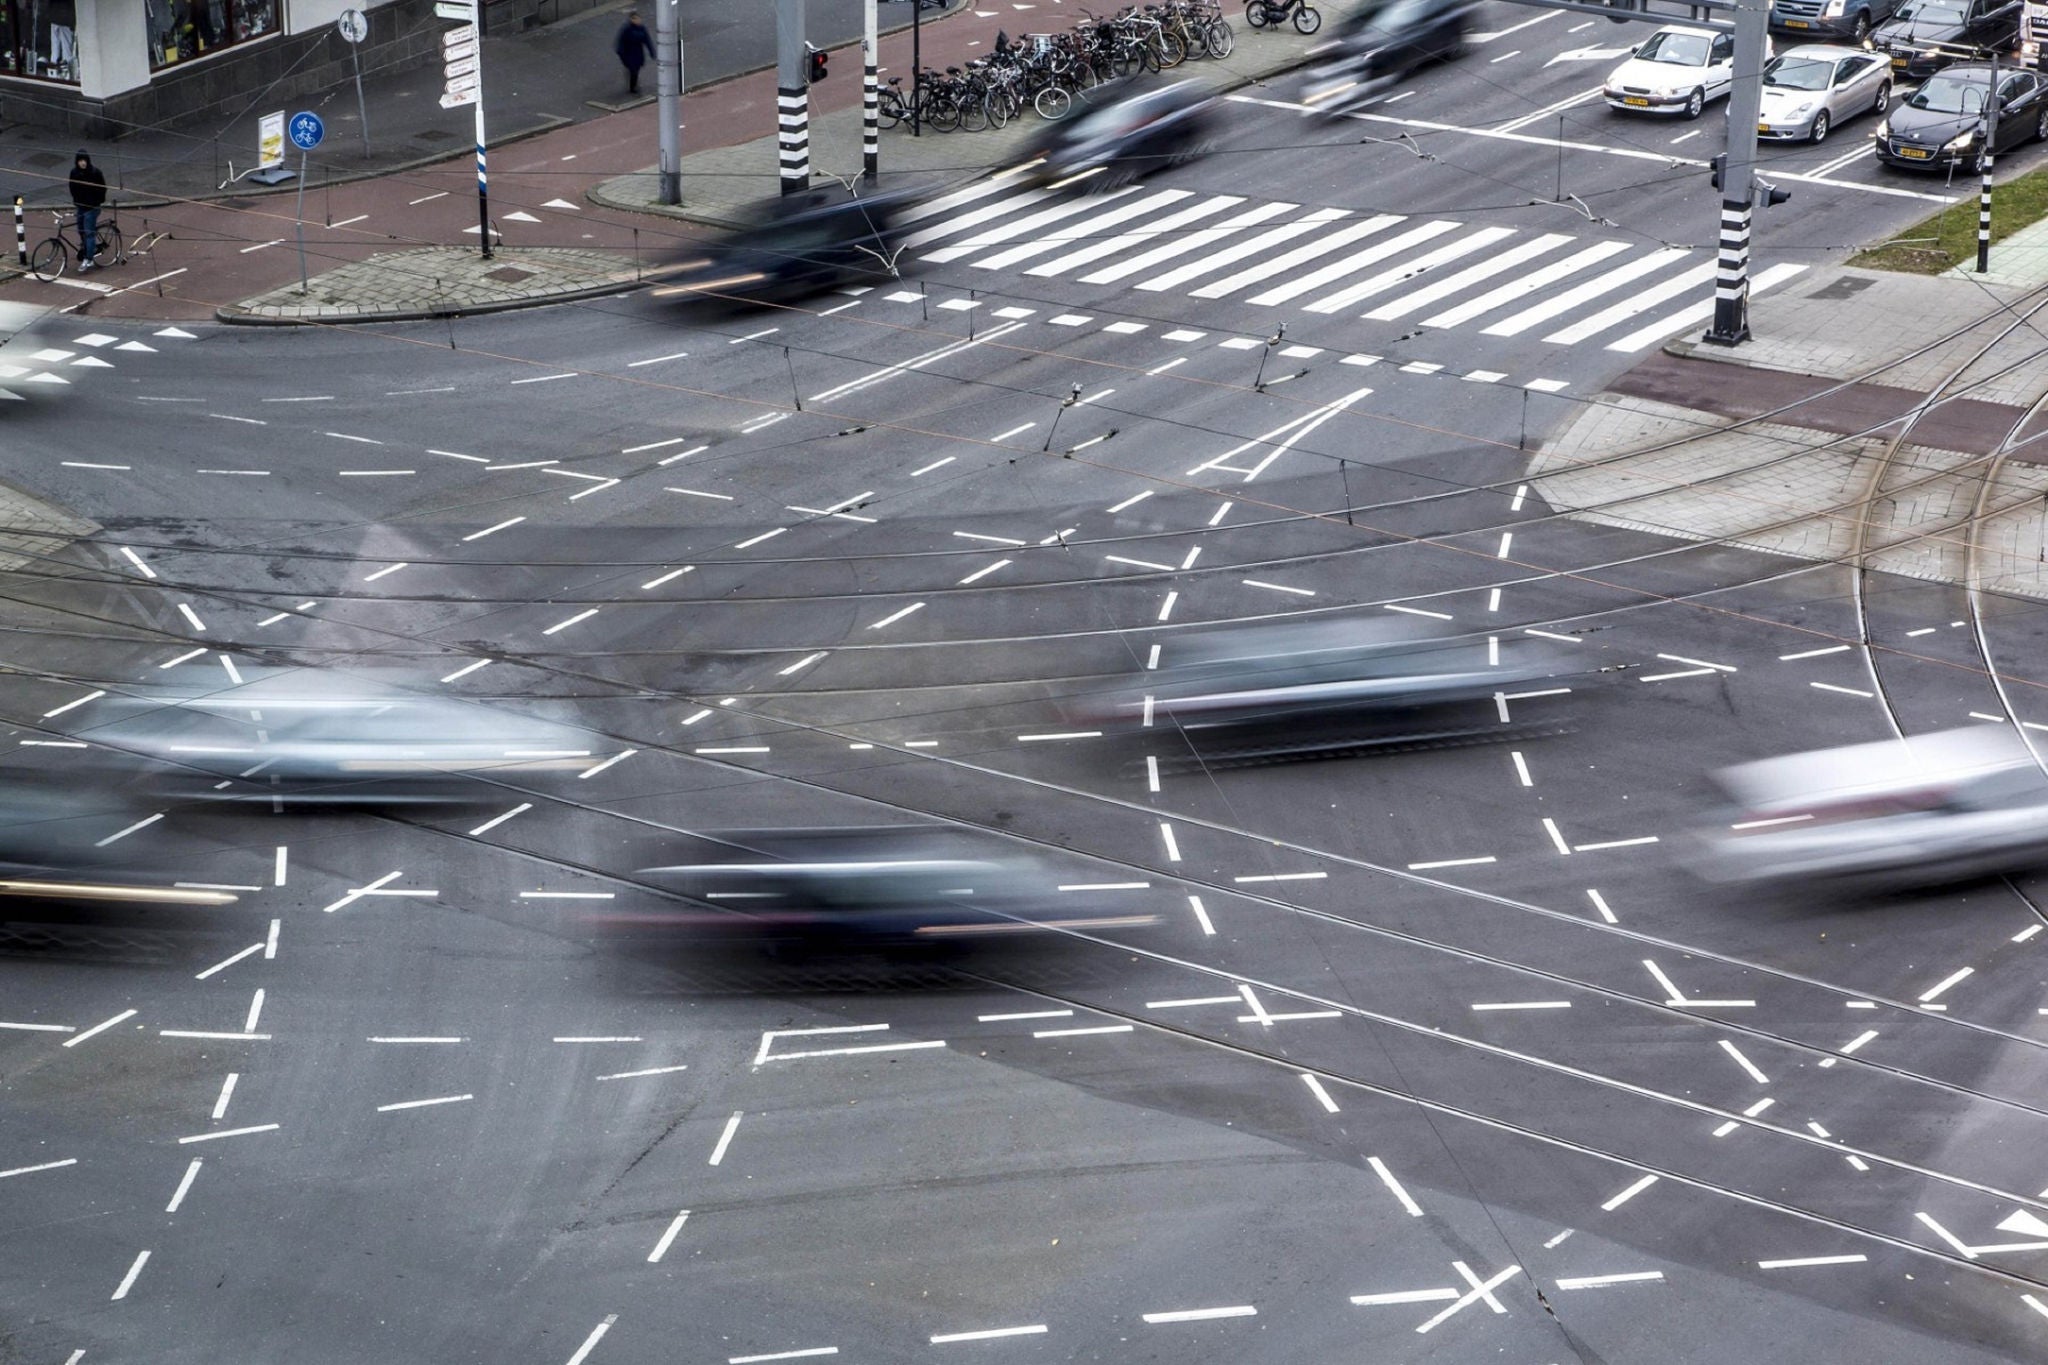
(463,11)
(454,70)
(461,36)
(459,93)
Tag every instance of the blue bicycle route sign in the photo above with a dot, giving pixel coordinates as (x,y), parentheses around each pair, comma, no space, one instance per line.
(306,130)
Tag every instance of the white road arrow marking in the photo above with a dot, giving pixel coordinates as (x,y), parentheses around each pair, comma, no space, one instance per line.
(1588,54)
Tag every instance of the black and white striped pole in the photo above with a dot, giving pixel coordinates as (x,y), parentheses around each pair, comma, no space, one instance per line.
(870,99)
(792,96)
(1984,161)
(1738,174)
(20,233)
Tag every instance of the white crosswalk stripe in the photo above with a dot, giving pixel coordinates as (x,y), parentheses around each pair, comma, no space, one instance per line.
(1377,267)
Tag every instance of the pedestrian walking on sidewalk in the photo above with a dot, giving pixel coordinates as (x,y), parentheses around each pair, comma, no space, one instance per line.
(634,46)
(88,192)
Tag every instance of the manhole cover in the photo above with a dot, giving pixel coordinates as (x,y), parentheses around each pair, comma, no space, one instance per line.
(508,274)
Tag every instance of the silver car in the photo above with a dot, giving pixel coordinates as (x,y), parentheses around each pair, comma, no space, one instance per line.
(1913,812)
(1810,89)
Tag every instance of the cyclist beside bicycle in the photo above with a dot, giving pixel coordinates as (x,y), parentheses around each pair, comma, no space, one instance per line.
(88,194)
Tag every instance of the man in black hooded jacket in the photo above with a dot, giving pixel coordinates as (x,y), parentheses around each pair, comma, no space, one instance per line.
(88,193)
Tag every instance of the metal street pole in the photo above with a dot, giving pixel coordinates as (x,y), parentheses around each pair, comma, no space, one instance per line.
(355,55)
(1984,165)
(483,179)
(1738,180)
(300,214)
(871,98)
(916,65)
(667,97)
(792,96)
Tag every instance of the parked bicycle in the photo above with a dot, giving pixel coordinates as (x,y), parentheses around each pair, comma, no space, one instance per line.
(53,255)
(1272,13)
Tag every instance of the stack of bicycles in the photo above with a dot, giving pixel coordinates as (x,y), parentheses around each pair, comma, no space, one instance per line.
(1049,71)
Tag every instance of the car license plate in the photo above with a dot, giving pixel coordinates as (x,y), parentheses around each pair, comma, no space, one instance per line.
(1915,153)
(1797,23)
(1898,63)
(1763,127)
(1637,100)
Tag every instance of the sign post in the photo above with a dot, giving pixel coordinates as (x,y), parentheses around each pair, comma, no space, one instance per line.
(462,74)
(270,168)
(355,26)
(306,131)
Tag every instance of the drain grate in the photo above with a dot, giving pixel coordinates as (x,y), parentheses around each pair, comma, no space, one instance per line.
(508,274)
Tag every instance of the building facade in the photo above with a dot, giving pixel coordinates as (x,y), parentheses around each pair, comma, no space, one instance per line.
(100,68)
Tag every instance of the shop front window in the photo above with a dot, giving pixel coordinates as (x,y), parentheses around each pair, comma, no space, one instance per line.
(39,38)
(180,30)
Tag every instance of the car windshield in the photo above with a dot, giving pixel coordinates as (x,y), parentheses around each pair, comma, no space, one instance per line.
(1932,12)
(1947,95)
(1675,49)
(1788,73)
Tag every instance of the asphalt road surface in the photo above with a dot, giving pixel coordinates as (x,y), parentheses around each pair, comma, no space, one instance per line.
(1431,1055)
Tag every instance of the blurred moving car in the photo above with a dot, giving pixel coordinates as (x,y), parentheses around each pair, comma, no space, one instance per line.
(1927,35)
(25,372)
(54,851)
(1302,688)
(1676,70)
(324,739)
(1131,131)
(1918,811)
(1380,45)
(1808,90)
(1944,124)
(886,885)
(793,246)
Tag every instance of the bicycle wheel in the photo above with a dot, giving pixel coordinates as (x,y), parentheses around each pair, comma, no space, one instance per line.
(941,113)
(1256,14)
(49,258)
(889,109)
(108,246)
(1219,40)
(1307,19)
(1169,50)
(1053,103)
(973,108)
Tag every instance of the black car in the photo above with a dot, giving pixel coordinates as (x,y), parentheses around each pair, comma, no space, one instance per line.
(1945,122)
(1380,45)
(1850,19)
(1927,35)
(792,246)
(1128,133)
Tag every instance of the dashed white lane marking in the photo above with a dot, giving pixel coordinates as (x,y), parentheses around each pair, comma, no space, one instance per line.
(1394,1186)
(1629,1193)
(184,1185)
(1241,1310)
(45,1166)
(128,1280)
(732,1125)
(783,1355)
(423,1104)
(590,1342)
(668,1238)
(1602,1281)
(229,1133)
(1795,1262)
(989,1334)
(100,1028)
(1315,1087)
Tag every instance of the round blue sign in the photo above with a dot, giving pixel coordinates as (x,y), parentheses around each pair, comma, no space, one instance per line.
(306,130)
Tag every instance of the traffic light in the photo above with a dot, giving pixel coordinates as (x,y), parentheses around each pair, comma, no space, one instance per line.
(817,64)
(1718,167)
(1772,195)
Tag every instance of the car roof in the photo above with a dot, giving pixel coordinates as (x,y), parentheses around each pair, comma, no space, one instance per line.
(1944,759)
(1684,28)
(1833,52)
(1974,71)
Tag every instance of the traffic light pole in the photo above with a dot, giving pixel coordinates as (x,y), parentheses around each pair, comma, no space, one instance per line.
(1984,165)
(668,100)
(870,97)
(1738,180)
(792,96)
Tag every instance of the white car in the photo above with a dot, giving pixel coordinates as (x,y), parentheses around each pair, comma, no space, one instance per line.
(1677,70)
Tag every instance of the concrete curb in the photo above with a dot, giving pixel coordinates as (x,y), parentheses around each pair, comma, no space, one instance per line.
(231,313)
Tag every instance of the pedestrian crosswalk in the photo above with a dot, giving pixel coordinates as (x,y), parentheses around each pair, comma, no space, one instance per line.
(1437,273)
